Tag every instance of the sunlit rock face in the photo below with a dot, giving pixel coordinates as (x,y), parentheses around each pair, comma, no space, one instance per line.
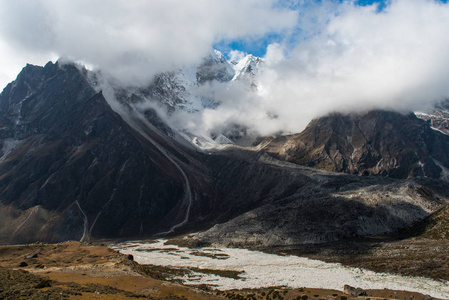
(373,143)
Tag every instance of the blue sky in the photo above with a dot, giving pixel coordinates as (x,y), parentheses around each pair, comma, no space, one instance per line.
(258,46)
(155,36)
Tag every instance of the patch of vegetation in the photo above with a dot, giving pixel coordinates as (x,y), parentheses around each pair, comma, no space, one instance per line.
(162,250)
(43,284)
(221,273)
(187,242)
(157,272)
(211,255)
(23,285)
(436,226)
(167,273)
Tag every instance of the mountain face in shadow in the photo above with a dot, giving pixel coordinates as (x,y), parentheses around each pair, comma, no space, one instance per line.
(69,160)
(71,167)
(374,143)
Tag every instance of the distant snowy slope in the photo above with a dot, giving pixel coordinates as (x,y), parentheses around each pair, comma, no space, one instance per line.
(247,69)
(438,117)
(186,91)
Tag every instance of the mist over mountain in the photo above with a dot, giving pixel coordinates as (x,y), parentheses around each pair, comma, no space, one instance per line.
(328,56)
(79,162)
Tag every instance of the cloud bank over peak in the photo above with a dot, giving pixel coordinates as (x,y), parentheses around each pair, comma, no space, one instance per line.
(329,55)
(134,40)
(358,59)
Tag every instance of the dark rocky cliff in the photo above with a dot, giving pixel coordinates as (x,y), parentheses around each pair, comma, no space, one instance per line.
(71,167)
(374,143)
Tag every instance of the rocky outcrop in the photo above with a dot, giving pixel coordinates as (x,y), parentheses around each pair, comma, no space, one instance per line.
(374,143)
(214,67)
(352,291)
(72,168)
(247,70)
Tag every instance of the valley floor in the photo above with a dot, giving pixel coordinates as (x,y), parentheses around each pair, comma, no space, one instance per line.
(409,257)
(74,270)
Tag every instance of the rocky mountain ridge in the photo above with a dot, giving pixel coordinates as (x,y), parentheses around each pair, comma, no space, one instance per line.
(70,159)
(75,165)
(373,143)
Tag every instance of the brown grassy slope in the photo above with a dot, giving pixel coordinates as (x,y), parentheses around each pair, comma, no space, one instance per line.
(80,271)
(436,226)
(74,270)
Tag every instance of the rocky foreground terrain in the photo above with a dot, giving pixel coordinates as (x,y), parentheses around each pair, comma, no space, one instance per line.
(78,270)
(74,270)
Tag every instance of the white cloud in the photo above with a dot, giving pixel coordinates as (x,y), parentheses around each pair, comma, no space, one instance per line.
(236,55)
(358,59)
(12,61)
(334,56)
(133,40)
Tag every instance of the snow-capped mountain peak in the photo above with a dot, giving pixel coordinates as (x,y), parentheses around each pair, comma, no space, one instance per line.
(187,90)
(247,69)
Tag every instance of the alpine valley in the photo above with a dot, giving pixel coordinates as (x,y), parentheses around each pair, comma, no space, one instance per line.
(83,158)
